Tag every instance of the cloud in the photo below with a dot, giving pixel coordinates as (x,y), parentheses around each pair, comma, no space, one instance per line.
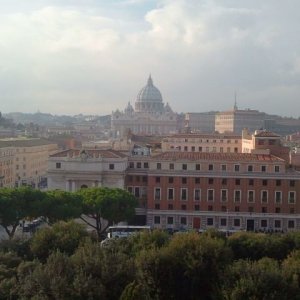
(89,57)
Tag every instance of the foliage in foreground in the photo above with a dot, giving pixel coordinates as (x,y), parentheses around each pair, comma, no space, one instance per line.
(150,266)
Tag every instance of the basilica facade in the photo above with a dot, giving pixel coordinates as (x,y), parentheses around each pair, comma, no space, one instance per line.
(150,116)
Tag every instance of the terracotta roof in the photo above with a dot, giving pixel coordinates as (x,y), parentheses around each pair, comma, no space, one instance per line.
(266,133)
(24,142)
(90,152)
(216,156)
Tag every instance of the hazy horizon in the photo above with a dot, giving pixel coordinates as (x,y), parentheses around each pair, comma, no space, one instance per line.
(93,57)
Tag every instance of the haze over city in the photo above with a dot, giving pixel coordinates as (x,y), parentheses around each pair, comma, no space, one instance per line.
(92,57)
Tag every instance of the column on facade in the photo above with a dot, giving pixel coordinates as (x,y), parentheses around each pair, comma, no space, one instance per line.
(67,185)
(73,186)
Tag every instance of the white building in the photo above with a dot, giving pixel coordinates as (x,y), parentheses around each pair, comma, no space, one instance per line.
(150,116)
(71,170)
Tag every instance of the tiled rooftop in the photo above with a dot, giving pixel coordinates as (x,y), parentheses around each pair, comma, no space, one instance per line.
(205,135)
(266,133)
(23,142)
(90,152)
(217,156)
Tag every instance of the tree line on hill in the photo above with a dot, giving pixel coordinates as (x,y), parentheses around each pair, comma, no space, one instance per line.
(64,262)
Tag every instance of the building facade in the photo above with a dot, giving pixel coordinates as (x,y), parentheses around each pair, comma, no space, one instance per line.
(236,120)
(72,169)
(28,159)
(200,122)
(194,142)
(150,116)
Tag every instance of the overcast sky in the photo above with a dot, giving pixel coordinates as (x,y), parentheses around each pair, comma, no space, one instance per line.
(93,56)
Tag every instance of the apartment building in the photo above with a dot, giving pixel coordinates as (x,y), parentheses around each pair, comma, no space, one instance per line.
(7,166)
(27,160)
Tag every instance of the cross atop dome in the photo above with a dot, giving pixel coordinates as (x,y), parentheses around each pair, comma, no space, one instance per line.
(150,81)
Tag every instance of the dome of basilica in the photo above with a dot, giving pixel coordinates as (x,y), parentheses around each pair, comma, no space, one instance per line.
(149,99)
(149,93)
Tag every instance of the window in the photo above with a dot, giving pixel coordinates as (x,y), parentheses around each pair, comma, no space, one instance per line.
(58,165)
(171,166)
(197,180)
(183,194)
(264,210)
(276,169)
(158,166)
(264,223)
(224,181)
(250,209)
(137,192)
(291,224)
(210,181)
(236,168)
(157,179)
(236,208)
(223,222)
(157,206)
(238,182)
(250,168)
(278,182)
(236,222)
(131,165)
(157,194)
(184,166)
(210,221)
(171,179)
(130,189)
(277,223)
(185,148)
(263,168)
(250,196)
(197,207)
(130,178)
(292,210)
(292,197)
(184,180)
(197,194)
(223,208)
(193,148)
(138,165)
(145,178)
(210,167)
(251,181)
(224,168)
(197,167)
(265,182)
(264,196)
(210,195)
(146,165)
(170,220)
(183,207)
(223,195)
(278,196)
(183,221)
(292,183)
(237,196)
(277,210)
(156,219)
(200,149)
(170,206)
(137,178)
(170,194)
(210,208)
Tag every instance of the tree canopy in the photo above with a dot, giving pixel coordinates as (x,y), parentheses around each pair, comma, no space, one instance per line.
(113,205)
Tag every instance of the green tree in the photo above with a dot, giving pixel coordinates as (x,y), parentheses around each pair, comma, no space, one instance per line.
(62,236)
(113,205)
(17,204)
(60,205)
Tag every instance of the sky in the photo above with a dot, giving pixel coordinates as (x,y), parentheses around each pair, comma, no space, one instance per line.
(93,56)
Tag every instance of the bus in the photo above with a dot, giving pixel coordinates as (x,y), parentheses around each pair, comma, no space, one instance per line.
(120,231)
